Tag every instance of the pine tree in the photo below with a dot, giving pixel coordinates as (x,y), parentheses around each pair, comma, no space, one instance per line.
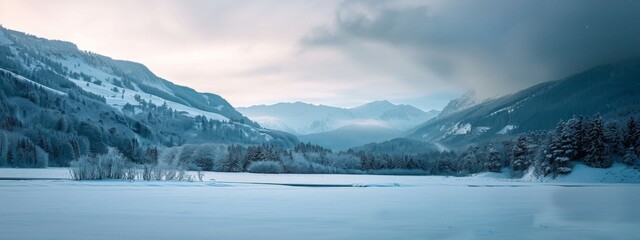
(614,139)
(579,136)
(521,160)
(9,157)
(561,150)
(493,163)
(567,140)
(631,158)
(596,152)
(632,135)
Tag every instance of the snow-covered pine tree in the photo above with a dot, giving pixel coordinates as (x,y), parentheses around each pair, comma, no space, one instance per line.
(632,135)
(596,152)
(561,150)
(614,139)
(579,136)
(631,158)
(568,140)
(493,163)
(520,162)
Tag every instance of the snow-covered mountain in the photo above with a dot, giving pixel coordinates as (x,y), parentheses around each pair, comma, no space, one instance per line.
(613,90)
(470,98)
(303,118)
(118,103)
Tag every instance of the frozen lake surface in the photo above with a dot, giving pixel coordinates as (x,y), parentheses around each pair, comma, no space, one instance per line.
(241,206)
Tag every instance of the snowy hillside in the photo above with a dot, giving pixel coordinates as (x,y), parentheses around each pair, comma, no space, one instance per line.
(58,103)
(118,97)
(107,75)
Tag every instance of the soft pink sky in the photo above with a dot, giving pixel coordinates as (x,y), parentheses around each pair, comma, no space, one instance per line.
(248,52)
(343,53)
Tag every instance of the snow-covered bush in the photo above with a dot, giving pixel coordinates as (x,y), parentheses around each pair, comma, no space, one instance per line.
(196,157)
(112,165)
(159,172)
(265,167)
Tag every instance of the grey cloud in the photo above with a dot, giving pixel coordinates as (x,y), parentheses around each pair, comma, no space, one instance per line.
(498,43)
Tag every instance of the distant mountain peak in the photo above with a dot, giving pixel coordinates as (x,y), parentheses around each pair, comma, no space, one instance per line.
(376,104)
(468,99)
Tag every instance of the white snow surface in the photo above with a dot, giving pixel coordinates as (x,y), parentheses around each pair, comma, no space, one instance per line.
(484,206)
(506,129)
(78,65)
(460,129)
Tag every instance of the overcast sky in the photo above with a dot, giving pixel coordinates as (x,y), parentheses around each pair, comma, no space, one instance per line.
(344,53)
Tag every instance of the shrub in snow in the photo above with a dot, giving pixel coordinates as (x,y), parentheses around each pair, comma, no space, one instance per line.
(196,157)
(265,167)
(159,172)
(112,165)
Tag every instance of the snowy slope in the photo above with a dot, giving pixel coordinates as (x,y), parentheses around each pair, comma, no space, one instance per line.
(118,100)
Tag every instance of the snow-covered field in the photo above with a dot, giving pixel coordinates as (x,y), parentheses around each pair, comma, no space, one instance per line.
(241,206)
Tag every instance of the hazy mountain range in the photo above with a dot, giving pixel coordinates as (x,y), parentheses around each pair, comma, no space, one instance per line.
(304,118)
(340,128)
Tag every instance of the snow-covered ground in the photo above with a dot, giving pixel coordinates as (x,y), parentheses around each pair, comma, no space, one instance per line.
(241,206)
